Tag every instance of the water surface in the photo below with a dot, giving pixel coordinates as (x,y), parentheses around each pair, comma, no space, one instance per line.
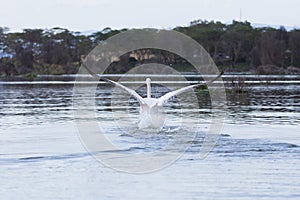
(257,155)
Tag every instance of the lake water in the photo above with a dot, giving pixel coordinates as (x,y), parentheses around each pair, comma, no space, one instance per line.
(257,154)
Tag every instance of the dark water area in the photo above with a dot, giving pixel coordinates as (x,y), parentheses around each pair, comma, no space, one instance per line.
(270,103)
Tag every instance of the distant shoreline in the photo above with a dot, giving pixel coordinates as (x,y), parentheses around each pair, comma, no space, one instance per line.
(188,75)
(237,47)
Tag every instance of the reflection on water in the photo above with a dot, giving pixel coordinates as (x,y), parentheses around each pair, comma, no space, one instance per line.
(27,104)
(30,105)
(38,146)
(273,104)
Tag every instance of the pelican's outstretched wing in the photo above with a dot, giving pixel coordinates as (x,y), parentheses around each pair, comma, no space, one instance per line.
(167,96)
(130,91)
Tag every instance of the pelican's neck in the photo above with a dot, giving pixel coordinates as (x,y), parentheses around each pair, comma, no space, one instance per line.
(148,83)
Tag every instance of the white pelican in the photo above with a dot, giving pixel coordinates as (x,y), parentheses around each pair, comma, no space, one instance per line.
(150,108)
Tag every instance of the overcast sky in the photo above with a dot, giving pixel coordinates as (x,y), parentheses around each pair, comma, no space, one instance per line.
(85,15)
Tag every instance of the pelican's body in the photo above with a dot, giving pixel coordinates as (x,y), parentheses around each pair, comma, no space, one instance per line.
(151,115)
(151,109)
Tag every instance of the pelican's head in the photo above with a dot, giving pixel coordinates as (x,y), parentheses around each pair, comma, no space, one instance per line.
(148,83)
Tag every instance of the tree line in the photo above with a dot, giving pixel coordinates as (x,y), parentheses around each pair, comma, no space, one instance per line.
(237,46)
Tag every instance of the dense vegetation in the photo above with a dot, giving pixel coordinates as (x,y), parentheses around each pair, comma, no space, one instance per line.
(236,47)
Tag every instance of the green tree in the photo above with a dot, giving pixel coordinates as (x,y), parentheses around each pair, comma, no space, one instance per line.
(3,37)
(59,47)
(294,47)
(273,45)
(21,51)
(238,41)
(103,35)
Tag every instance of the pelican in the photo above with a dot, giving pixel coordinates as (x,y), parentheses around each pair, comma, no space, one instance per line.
(150,108)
